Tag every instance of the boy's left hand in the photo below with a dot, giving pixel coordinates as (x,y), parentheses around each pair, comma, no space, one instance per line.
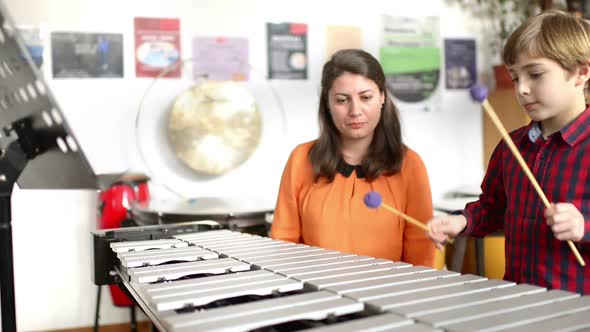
(566,222)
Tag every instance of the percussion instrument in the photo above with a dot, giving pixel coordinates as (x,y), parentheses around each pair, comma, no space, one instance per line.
(118,191)
(243,214)
(215,126)
(115,200)
(222,280)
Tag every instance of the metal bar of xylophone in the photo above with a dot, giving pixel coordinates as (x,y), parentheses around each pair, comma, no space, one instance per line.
(228,281)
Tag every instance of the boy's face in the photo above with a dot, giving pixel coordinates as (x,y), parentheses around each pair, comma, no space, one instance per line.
(547,92)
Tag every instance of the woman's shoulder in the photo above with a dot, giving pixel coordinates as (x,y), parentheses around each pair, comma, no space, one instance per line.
(302,150)
(299,165)
(413,165)
(411,158)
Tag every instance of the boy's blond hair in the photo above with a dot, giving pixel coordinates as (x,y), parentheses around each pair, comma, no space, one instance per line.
(552,34)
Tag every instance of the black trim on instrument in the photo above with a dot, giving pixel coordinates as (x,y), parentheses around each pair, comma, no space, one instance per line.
(105,260)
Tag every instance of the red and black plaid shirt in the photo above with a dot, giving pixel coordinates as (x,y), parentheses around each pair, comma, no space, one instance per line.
(561,165)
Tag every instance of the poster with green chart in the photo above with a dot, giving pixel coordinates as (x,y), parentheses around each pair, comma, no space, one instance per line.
(410,54)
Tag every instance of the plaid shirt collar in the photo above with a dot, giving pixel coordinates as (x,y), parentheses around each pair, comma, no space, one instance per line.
(572,133)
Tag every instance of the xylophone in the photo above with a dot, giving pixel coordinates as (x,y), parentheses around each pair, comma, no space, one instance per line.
(221,280)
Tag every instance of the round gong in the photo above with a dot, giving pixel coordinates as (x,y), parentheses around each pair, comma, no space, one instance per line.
(214,127)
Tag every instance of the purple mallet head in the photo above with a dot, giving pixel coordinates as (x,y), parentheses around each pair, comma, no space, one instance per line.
(478,92)
(372,200)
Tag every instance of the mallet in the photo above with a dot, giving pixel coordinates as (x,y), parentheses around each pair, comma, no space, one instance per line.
(373,200)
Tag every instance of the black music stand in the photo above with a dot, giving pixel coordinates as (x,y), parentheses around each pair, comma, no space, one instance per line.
(37,147)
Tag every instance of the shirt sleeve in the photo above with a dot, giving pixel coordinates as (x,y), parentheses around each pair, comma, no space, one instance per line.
(486,215)
(586,237)
(286,224)
(417,248)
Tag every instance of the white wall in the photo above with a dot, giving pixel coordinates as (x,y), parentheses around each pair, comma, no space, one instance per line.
(51,228)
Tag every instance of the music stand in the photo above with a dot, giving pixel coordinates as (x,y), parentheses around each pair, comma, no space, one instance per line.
(37,147)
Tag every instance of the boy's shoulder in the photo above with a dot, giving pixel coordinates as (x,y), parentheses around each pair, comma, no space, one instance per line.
(519,136)
(578,131)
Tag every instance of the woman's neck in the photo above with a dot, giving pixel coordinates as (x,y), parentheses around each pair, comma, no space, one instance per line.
(354,151)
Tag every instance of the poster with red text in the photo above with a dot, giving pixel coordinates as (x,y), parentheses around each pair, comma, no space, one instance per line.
(157,47)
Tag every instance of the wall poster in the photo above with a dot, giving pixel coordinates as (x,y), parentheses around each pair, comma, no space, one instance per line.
(86,55)
(411,58)
(460,63)
(221,58)
(287,50)
(157,46)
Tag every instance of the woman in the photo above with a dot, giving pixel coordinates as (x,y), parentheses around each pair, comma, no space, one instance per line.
(359,150)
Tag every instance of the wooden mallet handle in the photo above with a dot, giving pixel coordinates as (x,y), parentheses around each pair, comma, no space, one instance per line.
(373,200)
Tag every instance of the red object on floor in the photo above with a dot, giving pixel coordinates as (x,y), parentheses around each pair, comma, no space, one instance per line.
(114,206)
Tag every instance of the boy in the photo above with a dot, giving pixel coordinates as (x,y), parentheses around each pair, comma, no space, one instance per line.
(548,57)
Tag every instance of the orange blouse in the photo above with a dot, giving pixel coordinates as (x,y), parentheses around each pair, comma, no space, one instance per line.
(334,216)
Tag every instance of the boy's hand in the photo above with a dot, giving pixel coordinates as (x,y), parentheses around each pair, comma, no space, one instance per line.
(566,222)
(443,228)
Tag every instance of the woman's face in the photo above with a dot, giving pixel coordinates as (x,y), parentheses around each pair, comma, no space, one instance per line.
(355,105)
